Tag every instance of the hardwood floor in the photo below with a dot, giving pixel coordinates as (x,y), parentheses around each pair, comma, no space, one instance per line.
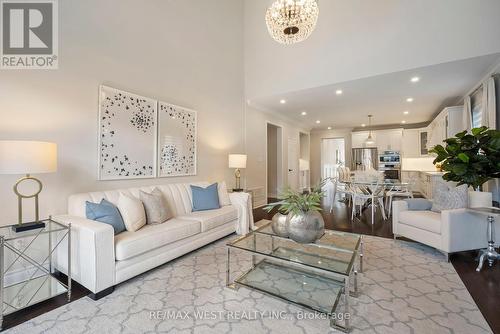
(484,286)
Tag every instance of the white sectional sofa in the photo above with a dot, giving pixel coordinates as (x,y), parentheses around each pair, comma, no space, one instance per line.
(449,231)
(100,260)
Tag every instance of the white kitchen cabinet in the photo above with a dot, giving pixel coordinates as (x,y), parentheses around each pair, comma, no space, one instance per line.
(410,143)
(445,125)
(385,140)
(359,138)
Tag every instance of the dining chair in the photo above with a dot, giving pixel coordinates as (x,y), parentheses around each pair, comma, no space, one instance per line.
(404,191)
(364,192)
(340,187)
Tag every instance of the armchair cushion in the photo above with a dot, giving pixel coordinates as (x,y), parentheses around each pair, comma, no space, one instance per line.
(418,204)
(448,197)
(424,220)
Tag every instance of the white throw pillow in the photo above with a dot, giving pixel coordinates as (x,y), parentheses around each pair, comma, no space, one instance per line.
(223,194)
(132,211)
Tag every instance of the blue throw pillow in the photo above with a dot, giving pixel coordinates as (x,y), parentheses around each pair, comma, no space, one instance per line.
(105,212)
(205,198)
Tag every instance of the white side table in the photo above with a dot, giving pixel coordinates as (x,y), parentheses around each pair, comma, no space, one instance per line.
(488,253)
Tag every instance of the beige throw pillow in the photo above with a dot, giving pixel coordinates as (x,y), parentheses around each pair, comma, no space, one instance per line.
(132,211)
(223,194)
(155,204)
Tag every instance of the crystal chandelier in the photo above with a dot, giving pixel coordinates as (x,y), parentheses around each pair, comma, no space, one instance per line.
(292,21)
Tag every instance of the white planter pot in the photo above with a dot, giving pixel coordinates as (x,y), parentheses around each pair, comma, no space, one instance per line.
(478,199)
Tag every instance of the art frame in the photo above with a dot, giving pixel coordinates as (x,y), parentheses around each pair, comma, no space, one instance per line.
(179,126)
(119,113)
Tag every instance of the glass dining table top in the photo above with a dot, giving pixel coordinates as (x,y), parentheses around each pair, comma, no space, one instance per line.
(334,252)
(385,183)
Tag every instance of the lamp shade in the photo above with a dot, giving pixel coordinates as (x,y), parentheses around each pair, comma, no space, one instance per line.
(303,164)
(237,161)
(27,157)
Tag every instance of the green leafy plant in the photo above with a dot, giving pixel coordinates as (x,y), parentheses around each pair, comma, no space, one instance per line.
(470,158)
(291,201)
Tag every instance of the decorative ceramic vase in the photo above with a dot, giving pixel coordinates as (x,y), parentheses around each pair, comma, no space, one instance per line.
(478,199)
(279,225)
(306,227)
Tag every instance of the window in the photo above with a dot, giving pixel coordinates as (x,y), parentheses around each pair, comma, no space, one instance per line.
(477,108)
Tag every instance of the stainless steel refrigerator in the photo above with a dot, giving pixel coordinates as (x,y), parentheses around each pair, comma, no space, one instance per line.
(364,158)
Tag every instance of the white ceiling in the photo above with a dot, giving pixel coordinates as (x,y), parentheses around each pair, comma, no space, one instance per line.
(356,39)
(384,96)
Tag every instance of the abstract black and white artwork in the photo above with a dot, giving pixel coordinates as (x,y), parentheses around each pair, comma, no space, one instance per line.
(176,140)
(127,135)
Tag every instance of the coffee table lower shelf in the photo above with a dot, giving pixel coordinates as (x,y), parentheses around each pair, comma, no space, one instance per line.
(308,290)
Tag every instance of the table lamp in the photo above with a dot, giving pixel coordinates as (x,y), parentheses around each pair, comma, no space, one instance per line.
(27,157)
(237,161)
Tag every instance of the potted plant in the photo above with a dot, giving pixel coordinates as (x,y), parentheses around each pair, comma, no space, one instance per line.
(298,215)
(472,159)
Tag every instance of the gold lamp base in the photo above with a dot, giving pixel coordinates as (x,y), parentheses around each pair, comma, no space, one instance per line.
(237,175)
(37,223)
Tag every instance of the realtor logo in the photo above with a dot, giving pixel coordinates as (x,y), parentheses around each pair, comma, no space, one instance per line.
(29,34)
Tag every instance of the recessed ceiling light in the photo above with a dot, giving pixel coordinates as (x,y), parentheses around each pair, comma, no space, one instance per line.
(363,125)
(415,79)
(403,122)
(329,128)
(318,121)
(339,92)
(410,99)
(303,113)
(406,112)
(282,101)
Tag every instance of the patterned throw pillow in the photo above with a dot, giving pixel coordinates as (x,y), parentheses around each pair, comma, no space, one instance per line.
(157,210)
(447,197)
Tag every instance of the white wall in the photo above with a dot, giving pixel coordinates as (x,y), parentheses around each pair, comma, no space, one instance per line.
(188,52)
(316,137)
(358,38)
(272,160)
(256,130)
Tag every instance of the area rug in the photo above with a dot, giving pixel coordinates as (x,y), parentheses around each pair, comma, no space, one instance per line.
(405,288)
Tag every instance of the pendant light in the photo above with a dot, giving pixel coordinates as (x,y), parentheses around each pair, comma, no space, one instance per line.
(370,140)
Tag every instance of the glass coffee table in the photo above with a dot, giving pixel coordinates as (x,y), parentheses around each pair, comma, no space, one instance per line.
(315,276)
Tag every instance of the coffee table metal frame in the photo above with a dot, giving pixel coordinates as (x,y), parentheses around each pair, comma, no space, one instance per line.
(342,278)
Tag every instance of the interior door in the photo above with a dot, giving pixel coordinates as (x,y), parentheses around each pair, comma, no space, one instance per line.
(293,163)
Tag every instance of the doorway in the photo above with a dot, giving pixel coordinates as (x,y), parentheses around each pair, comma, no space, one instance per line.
(332,156)
(274,158)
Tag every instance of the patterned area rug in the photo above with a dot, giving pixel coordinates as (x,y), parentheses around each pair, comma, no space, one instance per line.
(405,288)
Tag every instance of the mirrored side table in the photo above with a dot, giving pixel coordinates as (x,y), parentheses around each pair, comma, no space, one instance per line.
(489,253)
(26,265)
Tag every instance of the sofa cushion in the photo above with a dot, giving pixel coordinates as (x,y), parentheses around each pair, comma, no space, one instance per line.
(105,212)
(129,244)
(424,220)
(132,211)
(156,207)
(212,218)
(205,198)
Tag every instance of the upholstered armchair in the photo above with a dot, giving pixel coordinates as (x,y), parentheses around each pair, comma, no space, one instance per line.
(449,231)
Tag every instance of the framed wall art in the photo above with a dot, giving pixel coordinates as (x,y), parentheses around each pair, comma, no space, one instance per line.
(127,135)
(177,133)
